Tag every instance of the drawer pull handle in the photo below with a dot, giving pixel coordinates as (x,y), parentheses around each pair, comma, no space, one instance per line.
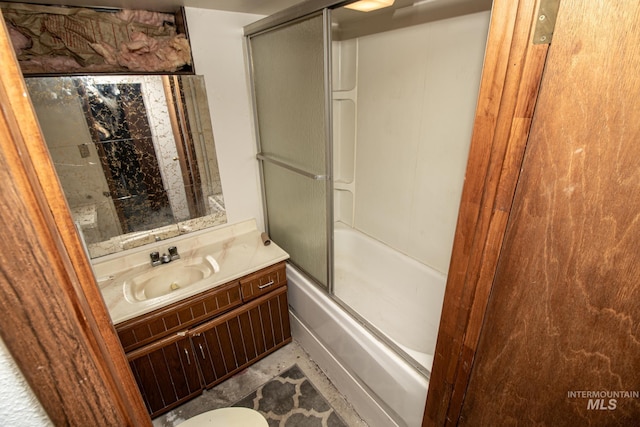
(266,285)
(201,351)
(187,353)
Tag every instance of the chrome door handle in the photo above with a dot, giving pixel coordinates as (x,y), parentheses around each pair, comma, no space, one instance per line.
(187,353)
(201,351)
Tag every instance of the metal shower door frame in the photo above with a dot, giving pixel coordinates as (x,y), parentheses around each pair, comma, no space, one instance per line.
(271,24)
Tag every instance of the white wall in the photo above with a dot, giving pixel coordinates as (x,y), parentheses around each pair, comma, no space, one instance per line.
(218,51)
(19,407)
(416,97)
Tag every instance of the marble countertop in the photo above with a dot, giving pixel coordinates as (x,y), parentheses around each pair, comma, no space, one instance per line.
(238,250)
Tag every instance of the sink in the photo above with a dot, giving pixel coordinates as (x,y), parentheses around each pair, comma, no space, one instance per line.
(155,282)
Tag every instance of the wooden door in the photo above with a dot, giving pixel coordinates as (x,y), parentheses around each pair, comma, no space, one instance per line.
(560,340)
(166,372)
(235,340)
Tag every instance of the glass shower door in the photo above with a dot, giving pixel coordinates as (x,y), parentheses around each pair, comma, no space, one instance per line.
(288,70)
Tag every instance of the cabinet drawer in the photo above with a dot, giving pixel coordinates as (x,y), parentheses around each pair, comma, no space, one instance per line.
(263,281)
(145,329)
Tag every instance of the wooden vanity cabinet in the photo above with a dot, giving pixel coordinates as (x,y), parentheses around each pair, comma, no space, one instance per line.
(150,327)
(178,351)
(239,338)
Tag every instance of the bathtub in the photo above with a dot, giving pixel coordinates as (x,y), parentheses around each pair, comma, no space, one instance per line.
(398,295)
(384,388)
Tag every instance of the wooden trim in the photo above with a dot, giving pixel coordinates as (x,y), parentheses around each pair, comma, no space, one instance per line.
(508,92)
(55,323)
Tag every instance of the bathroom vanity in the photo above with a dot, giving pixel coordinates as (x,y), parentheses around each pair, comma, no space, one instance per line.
(194,336)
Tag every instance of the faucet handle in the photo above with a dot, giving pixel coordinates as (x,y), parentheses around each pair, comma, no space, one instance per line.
(155,258)
(173,253)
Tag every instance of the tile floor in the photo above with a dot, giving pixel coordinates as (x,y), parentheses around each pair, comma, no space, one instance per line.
(247,381)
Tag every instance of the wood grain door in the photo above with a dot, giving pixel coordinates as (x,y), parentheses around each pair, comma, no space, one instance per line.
(560,343)
(166,372)
(234,340)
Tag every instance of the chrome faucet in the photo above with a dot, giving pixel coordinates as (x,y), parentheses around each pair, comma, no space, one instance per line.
(173,253)
(157,259)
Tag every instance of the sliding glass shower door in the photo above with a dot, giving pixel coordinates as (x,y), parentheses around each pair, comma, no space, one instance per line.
(288,72)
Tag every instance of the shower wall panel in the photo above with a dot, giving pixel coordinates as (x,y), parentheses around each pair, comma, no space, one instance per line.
(344,92)
(416,97)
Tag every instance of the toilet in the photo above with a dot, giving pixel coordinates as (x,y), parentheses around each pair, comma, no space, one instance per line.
(227,417)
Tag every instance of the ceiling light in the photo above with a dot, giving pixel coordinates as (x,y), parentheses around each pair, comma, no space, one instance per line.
(369,5)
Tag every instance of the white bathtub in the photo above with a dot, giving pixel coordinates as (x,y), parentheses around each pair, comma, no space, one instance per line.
(398,295)
(383,387)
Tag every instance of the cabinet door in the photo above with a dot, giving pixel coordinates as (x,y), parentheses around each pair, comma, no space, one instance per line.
(166,372)
(237,339)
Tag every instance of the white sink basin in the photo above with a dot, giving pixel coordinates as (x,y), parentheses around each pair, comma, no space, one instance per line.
(155,282)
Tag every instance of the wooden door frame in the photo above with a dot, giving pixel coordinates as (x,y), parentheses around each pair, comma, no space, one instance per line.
(508,92)
(511,76)
(56,325)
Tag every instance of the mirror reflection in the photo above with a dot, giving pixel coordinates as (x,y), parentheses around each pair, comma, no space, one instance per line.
(135,156)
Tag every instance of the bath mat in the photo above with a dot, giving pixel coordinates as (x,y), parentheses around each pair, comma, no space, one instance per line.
(290,400)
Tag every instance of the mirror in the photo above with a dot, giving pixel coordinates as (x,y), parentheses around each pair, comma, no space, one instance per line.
(135,156)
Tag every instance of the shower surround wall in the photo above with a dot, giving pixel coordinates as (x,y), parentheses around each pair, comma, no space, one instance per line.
(404,103)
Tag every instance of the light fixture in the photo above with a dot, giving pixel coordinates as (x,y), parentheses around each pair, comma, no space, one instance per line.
(369,5)
(421,2)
